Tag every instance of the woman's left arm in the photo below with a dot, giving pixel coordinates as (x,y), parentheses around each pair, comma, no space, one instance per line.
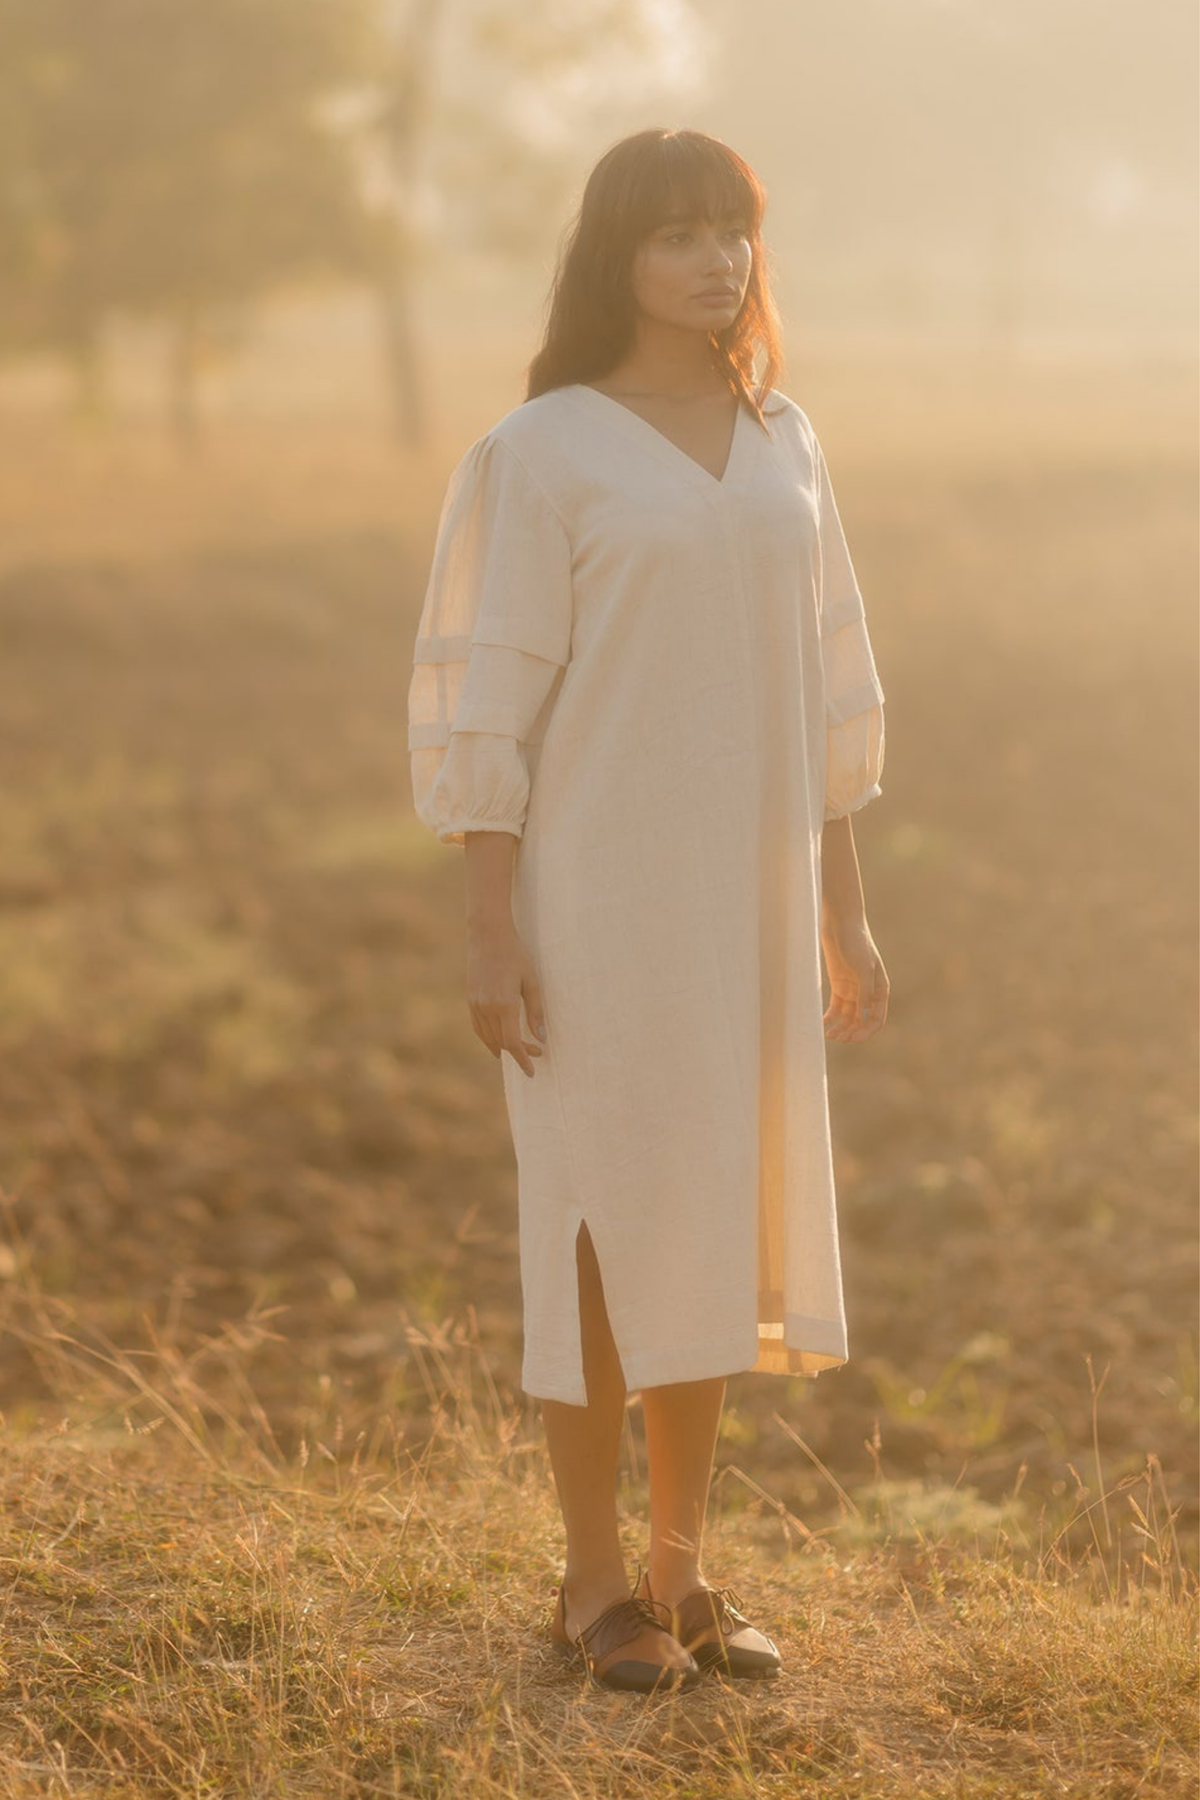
(854,702)
(858,981)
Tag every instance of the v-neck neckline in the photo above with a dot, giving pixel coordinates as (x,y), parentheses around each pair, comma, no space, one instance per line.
(672,452)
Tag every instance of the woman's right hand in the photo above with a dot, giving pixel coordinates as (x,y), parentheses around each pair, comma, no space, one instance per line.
(500,971)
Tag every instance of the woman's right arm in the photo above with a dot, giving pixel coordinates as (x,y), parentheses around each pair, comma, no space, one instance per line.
(500,971)
(492,644)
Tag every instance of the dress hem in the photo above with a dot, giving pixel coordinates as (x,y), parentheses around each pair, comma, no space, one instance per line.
(815,1345)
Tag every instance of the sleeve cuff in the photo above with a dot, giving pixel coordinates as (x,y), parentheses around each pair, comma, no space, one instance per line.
(864,799)
(454,831)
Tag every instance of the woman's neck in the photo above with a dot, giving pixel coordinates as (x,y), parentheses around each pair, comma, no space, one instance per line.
(670,361)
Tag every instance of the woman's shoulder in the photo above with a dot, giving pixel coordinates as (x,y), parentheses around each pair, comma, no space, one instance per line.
(529,438)
(535,424)
(521,455)
(784,410)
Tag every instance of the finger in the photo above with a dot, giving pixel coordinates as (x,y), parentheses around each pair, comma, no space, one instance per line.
(872,1004)
(839,1015)
(832,1017)
(511,1038)
(853,1013)
(840,1025)
(517,1050)
(485,1029)
(840,1000)
(535,1010)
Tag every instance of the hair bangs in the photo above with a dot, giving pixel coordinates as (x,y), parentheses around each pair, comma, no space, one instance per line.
(689,176)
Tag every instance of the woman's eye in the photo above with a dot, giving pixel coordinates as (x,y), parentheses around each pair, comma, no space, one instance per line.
(737,232)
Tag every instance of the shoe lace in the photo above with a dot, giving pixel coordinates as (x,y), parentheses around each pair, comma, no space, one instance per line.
(729,1610)
(629,1616)
(725,1601)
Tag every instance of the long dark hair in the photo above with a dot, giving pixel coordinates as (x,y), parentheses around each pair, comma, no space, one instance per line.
(635,186)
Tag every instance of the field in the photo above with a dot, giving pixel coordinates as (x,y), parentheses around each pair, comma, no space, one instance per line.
(277,1519)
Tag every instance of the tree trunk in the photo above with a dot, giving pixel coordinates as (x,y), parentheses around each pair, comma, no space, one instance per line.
(404,122)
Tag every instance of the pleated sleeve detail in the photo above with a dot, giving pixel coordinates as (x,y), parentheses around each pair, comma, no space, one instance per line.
(493,641)
(854,697)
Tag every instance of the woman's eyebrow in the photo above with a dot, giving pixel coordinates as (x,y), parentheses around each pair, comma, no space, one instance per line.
(735,214)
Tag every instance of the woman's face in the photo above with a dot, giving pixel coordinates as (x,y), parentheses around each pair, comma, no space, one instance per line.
(693,273)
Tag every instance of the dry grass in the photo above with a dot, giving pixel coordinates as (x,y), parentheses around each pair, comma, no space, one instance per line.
(277,1518)
(188,1610)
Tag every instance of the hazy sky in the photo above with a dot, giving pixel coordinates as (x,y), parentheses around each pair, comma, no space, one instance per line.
(1030,162)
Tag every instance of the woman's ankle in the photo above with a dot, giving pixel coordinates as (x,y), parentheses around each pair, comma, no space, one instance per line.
(670,1579)
(594,1583)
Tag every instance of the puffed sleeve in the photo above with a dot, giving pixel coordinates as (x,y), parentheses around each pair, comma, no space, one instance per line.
(493,641)
(853,693)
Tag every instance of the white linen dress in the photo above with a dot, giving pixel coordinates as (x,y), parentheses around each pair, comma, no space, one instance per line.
(661,684)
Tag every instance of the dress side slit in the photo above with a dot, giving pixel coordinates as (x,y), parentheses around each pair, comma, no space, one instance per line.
(596,1341)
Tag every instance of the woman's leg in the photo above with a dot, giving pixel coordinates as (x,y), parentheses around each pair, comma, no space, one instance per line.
(681,1436)
(681,1422)
(584,1444)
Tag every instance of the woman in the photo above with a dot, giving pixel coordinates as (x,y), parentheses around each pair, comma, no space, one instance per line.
(645,704)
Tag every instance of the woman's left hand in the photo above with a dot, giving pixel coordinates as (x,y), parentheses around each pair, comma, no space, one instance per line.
(858,1004)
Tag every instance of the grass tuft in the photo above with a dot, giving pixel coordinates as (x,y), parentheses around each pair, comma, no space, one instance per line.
(189,1608)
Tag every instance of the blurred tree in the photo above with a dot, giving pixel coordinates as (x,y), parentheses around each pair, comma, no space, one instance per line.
(179,161)
(484,121)
(172,160)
